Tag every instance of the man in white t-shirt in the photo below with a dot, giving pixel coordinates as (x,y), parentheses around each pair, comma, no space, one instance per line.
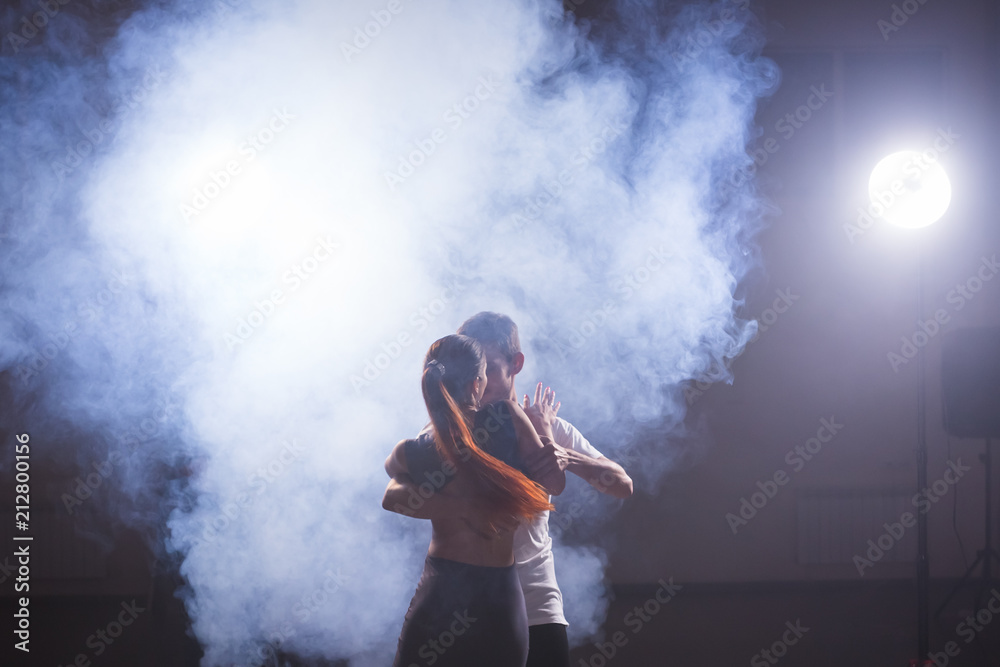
(547,642)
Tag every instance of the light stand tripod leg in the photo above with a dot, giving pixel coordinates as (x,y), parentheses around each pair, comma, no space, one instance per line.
(985,555)
(961,584)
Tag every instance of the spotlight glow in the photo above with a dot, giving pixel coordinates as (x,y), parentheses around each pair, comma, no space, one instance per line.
(909,189)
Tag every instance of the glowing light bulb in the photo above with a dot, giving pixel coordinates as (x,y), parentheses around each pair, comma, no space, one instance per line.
(909,190)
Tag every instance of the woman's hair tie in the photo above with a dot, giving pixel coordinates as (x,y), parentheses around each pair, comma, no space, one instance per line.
(436,366)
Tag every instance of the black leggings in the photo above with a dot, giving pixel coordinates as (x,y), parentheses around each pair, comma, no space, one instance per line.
(464,615)
(548,646)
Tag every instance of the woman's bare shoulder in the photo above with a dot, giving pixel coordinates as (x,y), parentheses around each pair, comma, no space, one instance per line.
(396,461)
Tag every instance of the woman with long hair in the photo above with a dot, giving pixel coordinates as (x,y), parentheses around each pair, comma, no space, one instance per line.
(468,609)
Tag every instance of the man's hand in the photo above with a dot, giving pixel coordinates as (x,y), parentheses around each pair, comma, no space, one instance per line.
(542,412)
(549,462)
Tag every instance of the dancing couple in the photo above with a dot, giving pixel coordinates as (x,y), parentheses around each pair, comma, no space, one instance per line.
(483,472)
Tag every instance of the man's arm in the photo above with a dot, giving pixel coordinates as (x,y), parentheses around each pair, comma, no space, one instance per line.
(403,496)
(601,473)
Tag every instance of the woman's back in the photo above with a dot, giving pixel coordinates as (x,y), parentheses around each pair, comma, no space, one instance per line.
(474,534)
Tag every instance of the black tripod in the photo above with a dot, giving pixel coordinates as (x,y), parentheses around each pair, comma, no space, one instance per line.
(985,555)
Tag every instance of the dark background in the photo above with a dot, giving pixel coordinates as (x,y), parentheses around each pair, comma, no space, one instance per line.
(825,357)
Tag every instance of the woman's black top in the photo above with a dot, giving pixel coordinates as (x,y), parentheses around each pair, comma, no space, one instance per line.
(493,431)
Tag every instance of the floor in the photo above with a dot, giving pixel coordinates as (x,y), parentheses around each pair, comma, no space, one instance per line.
(819,625)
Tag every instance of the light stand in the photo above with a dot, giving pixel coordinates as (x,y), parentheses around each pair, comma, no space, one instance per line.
(923,562)
(915,192)
(970,383)
(987,553)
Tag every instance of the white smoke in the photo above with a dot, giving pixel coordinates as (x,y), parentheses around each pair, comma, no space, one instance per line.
(298,199)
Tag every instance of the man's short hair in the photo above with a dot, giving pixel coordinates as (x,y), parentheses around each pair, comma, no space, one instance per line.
(493,329)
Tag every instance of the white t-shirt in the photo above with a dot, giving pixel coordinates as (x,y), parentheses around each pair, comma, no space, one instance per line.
(533,546)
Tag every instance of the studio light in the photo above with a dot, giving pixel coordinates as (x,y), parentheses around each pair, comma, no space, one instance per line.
(910,189)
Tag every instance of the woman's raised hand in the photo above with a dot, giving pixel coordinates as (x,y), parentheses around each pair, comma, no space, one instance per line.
(542,412)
